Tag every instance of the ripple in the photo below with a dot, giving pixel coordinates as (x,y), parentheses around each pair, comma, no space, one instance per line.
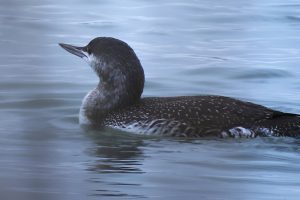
(262,74)
(293,18)
(34,104)
(239,73)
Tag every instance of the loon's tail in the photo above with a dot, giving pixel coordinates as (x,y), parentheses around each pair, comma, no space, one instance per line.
(281,124)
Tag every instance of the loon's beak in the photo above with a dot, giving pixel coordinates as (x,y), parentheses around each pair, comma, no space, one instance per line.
(78,51)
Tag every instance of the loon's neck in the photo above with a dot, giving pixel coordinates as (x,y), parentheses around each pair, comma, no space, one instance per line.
(118,87)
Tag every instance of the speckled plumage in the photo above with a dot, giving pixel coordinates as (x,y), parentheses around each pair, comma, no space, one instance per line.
(197,116)
(116,102)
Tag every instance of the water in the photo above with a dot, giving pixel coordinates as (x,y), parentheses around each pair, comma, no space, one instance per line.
(244,49)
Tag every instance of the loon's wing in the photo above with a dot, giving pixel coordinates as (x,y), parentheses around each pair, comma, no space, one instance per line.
(192,116)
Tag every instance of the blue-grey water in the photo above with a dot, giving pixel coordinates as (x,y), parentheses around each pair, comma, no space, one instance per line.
(245,49)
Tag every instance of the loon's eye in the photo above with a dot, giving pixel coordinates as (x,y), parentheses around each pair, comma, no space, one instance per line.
(88,50)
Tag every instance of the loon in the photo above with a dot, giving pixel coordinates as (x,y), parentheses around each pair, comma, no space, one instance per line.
(116,102)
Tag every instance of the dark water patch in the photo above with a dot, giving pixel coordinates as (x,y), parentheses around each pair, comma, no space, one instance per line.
(43,86)
(262,74)
(288,5)
(293,18)
(238,73)
(34,103)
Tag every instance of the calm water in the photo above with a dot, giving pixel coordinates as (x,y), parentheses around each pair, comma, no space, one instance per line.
(244,49)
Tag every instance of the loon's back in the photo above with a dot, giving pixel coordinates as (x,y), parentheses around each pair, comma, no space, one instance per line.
(195,116)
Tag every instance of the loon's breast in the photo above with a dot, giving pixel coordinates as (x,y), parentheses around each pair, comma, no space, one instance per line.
(188,116)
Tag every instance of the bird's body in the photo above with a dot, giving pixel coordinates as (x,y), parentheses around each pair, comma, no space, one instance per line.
(116,102)
(200,116)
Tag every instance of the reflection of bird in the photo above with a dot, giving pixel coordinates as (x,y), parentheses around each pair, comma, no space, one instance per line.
(117,102)
(116,152)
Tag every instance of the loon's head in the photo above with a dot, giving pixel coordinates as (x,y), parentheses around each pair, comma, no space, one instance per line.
(119,69)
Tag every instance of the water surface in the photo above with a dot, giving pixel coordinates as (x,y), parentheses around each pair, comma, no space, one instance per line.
(248,50)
